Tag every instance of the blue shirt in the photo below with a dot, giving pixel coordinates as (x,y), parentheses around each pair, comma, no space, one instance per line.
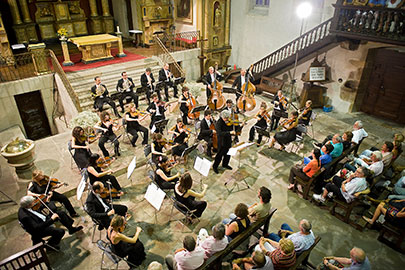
(337,149)
(359,266)
(325,159)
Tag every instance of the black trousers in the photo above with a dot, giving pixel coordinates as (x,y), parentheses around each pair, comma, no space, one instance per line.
(184,115)
(57,197)
(56,235)
(99,102)
(274,122)
(166,86)
(297,172)
(252,132)
(104,139)
(134,132)
(63,216)
(335,187)
(209,145)
(126,94)
(222,156)
(149,93)
(199,206)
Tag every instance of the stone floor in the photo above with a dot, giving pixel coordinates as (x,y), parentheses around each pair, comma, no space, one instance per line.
(162,232)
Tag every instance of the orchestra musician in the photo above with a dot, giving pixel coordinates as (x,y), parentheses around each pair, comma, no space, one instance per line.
(184,101)
(209,78)
(147,83)
(43,184)
(166,77)
(108,128)
(80,142)
(263,118)
(100,93)
(230,107)
(180,138)
(158,145)
(100,209)
(224,134)
(133,118)
(157,110)
(305,113)
(39,224)
(125,86)
(289,135)
(206,133)
(163,178)
(280,104)
(238,83)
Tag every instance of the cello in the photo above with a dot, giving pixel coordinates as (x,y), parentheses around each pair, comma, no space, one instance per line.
(192,103)
(246,102)
(217,100)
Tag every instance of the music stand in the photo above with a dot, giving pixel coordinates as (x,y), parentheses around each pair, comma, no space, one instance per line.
(179,80)
(161,124)
(140,90)
(199,109)
(229,90)
(263,132)
(280,113)
(188,150)
(160,85)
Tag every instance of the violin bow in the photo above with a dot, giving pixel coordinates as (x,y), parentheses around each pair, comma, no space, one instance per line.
(43,203)
(49,182)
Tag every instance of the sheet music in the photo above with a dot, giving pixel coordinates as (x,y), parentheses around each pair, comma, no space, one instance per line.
(234,150)
(155,196)
(202,165)
(131,167)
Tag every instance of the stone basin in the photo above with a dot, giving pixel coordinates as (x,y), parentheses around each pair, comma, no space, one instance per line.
(19,154)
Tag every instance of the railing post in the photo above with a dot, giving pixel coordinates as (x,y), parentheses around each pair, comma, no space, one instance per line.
(336,15)
(38,58)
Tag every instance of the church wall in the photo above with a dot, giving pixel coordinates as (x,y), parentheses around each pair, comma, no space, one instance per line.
(346,65)
(190,63)
(256,33)
(120,16)
(9,114)
(183,27)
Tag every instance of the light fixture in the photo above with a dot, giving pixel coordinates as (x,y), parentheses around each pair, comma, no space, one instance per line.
(304,10)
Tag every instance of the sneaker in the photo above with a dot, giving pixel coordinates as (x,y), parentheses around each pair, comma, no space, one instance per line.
(330,195)
(318,198)
(75,229)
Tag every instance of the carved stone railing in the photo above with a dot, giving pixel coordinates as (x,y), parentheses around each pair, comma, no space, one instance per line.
(307,43)
(378,24)
(166,57)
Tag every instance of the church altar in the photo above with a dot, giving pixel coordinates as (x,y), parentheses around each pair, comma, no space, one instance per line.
(95,47)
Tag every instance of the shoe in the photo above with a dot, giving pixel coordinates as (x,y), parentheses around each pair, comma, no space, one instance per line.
(75,229)
(318,198)
(290,187)
(52,247)
(330,195)
(74,215)
(216,170)
(227,167)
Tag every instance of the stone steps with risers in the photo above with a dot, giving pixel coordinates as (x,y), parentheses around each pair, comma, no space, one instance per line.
(83,80)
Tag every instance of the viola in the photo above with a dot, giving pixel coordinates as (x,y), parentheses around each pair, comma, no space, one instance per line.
(51,181)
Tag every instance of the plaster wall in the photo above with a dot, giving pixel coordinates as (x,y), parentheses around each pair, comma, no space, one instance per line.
(190,63)
(255,33)
(9,115)
(120,16)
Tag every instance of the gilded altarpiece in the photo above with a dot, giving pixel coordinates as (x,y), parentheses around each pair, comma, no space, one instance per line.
(215,28)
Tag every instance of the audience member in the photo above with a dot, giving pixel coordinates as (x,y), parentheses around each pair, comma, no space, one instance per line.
(325,158)
(155,266)
(393,211)
(261,209)
(358,132)
(347,140)
(189,257)
(399,188)
(357,260)
(398,139)
(308,171)
(386,151)
(375,165)
(238,222)
(214,243)
(283,256)
(257,261)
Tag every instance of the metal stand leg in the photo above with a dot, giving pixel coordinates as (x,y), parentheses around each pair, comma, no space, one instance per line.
(9,199)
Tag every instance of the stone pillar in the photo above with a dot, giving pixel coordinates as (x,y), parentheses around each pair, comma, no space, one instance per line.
(120,46)
(93,8)
(14,11)
(39,58)
(25,11)
(65,51)
(227,21)
(106,8)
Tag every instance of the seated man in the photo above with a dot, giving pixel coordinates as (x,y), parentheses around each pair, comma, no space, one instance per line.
(398,191)
(386,151)
(325,157)
(358,132)
(257,261)
(261,209)
(357,260)
(189,257)
(100,209)
(214,243)
(346,140)
(40,225)
(283,257)
(393,211)
(302,240)
(374,164)
(345,189)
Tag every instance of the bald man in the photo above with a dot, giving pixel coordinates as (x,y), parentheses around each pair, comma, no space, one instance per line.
(357,261)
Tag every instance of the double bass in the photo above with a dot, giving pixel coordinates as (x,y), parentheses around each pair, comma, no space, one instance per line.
(246,102)
(192,103)
(217,100)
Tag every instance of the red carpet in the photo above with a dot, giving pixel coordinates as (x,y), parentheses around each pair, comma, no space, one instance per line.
(78,65)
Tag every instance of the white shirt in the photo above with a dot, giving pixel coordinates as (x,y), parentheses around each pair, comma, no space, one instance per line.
(149,78)
(242,80)
(106,208)
(189,260)
(212,245)
(38,214)
(377,167)
(387,157)
(208,122)
(355,185)
(167,74)
(212,77)
(157,109)
(358,135)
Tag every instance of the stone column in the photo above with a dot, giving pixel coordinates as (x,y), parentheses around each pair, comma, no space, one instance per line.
(106,8)
(227,21)
(25,11)
(14,11)
(120,46)
(39,58)
(93,8)
(66,55)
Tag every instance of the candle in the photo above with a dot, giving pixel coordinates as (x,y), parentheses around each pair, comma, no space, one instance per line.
(118,29)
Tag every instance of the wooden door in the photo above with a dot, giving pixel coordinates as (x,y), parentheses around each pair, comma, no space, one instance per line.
(33,116)
(385,92)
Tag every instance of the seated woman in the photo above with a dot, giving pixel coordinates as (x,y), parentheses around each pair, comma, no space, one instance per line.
(123,245)
(180,138)
(186,196)
(238,222)
(97,174)
(306,113)
(133,118)
(308,171)
(108,128)
(158,145)
(289,135)
(163,178)
(283,257)
(262,118)
(393,211)
(80,142)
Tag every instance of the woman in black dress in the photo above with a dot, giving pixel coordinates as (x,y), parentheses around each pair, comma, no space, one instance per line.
(82,148)
(163,178)
(124,246)
(262,117)
(180,138)
(184,102)
(186,196)
(108,128)
(158,147)
(289,135)
(97,174)
(133,125)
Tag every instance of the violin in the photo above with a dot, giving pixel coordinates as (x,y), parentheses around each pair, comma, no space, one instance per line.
(104,162)
(106,193)
(285,123)
(37,202)
(165,141)
(52,182)
(265,114)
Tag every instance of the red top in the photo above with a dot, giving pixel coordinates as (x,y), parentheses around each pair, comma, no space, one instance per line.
(311,168)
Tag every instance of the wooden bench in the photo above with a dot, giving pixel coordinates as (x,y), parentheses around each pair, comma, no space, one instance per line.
(269,85)
(215,261)
(302,258)
(398,234)
(306,185)
(31,258)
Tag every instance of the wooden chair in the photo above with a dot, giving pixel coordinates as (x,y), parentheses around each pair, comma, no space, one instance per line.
(302,258)
(306,185)
(348,208)
(31,258)
(398,235)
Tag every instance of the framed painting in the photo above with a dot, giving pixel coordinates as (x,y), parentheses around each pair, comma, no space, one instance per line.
(184,11)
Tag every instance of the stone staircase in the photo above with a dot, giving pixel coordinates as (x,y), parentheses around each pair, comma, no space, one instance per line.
(83,80)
